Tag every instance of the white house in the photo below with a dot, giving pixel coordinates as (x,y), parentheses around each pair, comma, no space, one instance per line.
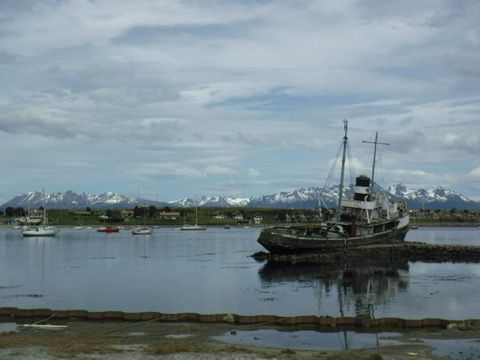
(257,219)
(219,215)
(238,216)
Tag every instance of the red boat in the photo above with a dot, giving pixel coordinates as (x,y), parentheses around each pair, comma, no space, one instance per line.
(109,229)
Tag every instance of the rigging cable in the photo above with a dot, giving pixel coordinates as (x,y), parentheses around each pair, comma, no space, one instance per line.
(350,161)
(329,176)
(381,172)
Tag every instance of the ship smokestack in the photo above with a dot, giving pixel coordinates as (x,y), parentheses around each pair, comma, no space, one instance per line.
(362,188)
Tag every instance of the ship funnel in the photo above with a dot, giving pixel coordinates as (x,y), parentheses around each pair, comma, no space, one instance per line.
(362,188)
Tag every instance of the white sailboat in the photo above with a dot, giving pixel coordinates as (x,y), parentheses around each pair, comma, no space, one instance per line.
(143,229)
(196,226)
(40,230)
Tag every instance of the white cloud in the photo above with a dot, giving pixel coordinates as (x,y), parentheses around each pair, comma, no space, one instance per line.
(223,91)
(74,163)
(421,178)
(475,174)
(191,89)
(48,122)
(73,23)
(469,142)
(129,97)
(218,170)
(252,172)
(154,170)
(472,179)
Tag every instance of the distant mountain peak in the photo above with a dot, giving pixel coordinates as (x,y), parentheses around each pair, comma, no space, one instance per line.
(71,200)
(434,198)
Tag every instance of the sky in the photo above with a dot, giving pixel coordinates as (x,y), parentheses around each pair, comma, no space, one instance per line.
(174,99)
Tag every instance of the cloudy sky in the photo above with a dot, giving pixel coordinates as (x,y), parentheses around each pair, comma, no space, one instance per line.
(188,98)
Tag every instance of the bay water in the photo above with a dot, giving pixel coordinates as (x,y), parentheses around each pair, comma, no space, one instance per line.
(212,271)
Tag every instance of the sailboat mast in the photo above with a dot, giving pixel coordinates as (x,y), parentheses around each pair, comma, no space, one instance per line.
(375,143)
(45,220)
(373,165)
(342,174)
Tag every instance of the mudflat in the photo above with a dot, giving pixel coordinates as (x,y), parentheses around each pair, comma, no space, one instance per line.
(159,340)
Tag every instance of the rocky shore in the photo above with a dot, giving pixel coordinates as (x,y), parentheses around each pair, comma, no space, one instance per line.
(409,251)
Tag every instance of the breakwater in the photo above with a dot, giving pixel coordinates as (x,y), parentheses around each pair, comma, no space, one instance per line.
(409,251)
(323,322)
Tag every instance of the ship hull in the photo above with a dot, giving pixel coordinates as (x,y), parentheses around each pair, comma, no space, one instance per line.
(279,242)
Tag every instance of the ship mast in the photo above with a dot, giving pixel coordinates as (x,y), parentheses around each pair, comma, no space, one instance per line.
(376,142)
(45,220)
(345,140)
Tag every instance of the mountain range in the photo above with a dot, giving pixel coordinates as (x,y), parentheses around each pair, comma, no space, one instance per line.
(437,198)
(72,200)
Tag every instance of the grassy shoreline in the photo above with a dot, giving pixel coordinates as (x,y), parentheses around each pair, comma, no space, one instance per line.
(217,216)
(163,340)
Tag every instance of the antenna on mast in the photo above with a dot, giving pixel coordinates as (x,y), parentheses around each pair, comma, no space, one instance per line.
(344,144)
(376,142)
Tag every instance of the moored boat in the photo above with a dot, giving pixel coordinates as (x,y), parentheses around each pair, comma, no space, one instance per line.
(108,229)
(193,227)
(369,217)
(40,230)
(34,220)
(141,230)
(43,229)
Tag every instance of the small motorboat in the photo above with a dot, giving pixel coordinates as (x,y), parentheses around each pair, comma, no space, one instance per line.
(108,229)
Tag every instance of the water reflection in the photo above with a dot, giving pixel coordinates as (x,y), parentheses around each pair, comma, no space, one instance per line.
(310,339)
(358,287)
(212,272)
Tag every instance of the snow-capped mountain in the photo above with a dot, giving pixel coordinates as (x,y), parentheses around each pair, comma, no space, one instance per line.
(301,198)
(72,200)
(218,201)
(437,198)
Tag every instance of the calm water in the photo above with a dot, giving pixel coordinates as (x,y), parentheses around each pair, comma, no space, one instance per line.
(310,340)
(211,272)
(315,340)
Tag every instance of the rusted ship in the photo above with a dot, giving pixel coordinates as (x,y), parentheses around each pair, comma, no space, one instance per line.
(367,217)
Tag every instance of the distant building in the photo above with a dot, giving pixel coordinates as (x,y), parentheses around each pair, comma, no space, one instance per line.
(219,215)
(169,215)
(34,216)
(257,219)
(126,213)
(20,220)
(238,216)
(35,212)
(302,218)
